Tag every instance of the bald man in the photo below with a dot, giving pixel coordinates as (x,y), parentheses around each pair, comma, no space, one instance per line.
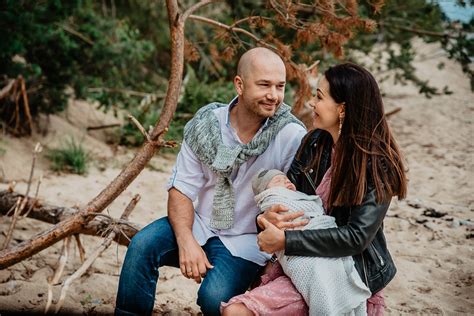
(210,231)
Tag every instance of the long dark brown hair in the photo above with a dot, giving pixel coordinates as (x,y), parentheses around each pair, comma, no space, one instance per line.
(366,151)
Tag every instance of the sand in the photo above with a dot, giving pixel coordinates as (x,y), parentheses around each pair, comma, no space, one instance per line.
(434,256)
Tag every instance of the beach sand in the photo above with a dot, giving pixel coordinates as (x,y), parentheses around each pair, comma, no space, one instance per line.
(434,256)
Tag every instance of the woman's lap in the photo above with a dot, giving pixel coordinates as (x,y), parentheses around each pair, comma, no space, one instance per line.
(276,295)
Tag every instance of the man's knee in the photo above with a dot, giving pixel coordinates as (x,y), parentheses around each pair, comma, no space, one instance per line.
(152,238)
(139,244)
(210,298)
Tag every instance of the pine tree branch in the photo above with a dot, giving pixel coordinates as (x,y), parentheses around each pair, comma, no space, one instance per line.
(416,31)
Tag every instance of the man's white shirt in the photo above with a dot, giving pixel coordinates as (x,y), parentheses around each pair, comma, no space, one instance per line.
(197,181)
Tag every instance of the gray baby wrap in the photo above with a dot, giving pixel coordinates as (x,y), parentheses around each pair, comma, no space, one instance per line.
(330,286)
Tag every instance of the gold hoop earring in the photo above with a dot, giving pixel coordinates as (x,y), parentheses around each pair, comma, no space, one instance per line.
(341,121)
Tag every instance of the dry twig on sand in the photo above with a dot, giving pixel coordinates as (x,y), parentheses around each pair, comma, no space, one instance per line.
(24,200)
(59,271)
(80,248)
(113,230)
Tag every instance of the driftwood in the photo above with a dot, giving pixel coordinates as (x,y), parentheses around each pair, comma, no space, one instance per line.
(113,231)
(78,221)
(56,214)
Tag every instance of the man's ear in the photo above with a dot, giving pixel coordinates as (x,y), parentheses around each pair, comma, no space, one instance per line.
(239,85)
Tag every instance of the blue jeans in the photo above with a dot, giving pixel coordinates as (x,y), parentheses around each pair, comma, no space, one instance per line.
(155,246)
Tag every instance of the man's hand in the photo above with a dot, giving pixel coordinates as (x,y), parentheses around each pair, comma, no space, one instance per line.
(271,239)
(282,221)
(193,261)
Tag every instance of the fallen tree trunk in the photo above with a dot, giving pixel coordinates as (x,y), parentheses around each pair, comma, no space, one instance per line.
(56,214)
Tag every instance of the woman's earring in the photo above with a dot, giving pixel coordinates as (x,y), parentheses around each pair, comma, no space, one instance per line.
(341,121)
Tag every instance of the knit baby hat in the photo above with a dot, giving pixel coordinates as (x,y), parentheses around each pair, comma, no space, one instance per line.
(262,178)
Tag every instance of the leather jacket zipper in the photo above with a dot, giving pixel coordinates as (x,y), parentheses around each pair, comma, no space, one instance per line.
(365,269)
(377,254)
(310,181)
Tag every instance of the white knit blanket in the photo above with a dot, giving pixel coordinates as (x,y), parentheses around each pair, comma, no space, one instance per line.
(330,286)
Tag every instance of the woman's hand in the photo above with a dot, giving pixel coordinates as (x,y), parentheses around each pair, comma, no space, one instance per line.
(283,221)
(271,239)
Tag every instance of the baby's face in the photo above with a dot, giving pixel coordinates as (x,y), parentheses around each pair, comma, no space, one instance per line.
(281,181)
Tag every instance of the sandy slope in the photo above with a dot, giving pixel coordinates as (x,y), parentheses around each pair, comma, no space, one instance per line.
(435,259)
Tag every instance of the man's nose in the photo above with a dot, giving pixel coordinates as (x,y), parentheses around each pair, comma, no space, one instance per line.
(272,94)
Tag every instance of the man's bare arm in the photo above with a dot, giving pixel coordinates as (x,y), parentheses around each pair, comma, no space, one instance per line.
(193,261)
(180,214)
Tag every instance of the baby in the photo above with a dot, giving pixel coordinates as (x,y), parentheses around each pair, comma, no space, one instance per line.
(330,286)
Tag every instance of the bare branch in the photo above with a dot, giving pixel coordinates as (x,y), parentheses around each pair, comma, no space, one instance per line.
(35,199)
(395,110)
(38,149)
(21,202)
(76,33)
(102,247)
(80,248)
(233,29)
(86,265)
(416,31)
(313,65)
(57,274)
(126,92)
(26,106)
(94,128)
(6,90)
(195,7)
(130,207)
(140,127)
(249,18)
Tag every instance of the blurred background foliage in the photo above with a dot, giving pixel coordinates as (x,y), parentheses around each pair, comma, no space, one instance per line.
(117,52)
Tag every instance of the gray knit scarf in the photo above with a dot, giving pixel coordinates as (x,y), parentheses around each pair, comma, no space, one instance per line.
(203,135)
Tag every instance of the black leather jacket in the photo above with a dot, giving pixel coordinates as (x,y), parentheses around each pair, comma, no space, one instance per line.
(360,228)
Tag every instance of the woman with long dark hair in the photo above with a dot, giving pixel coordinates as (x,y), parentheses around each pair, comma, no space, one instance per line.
(352,161)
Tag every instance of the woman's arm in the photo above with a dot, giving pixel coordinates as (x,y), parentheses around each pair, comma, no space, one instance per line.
(351,239)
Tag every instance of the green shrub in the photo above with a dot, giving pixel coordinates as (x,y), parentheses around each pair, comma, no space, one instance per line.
(201,91)
(70,157)
(197,93)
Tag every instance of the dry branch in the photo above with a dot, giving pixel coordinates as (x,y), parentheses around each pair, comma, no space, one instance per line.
(13,223)
(26,104)
(35,198)
(57,274)
(80,248)
(104,245)
(5,91)
(75,223)
(140,127)
(55,214)
(22,201)
(391,112)
(93,128)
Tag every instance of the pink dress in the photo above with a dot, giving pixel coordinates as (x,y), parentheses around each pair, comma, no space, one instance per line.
(276,295)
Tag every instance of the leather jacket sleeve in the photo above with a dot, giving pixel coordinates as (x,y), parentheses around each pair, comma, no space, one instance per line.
(350,239)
